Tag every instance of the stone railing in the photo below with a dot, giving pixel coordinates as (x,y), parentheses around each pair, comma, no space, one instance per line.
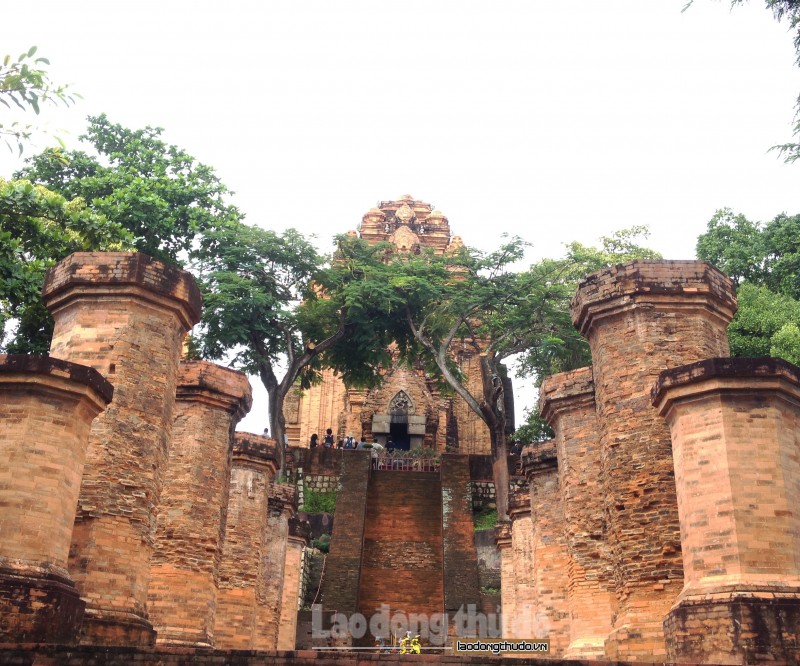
(406,464)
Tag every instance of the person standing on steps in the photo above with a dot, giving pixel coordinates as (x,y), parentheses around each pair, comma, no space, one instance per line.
(328,441)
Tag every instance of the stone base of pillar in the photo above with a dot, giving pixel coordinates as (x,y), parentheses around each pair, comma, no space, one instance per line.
(235,619)
(642,640)
(38,607)
(593,647)
(103,627)
(735,628)
(182,604)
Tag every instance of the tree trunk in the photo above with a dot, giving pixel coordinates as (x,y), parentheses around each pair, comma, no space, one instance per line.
(277,426)
(500,471)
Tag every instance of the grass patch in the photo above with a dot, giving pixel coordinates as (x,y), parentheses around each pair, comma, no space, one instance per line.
(485,519)
(316,502)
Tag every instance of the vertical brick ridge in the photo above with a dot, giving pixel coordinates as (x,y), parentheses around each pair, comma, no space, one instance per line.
(253,466)
(641,318)
(461,583)
(401,566)
(46,411)
(281,506)
(340,587)
(299,537)
(126,315)
(549,617)
(503,538)
(734,426)
(184,568)
(567,403)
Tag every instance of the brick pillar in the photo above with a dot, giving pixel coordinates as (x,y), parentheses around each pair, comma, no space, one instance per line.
(125,315)
(550,557)
(567,404)
(46,411)
(523,622)
(298,540)
(252,468)
(735,427)
(184,569)
(282,505)
(641,318)
(508,579)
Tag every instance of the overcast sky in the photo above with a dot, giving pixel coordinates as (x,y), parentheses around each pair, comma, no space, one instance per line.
(555,120)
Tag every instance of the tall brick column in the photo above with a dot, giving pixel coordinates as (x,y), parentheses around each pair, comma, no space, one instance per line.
(125,315)
(508,579)
(282,505)
(298,540)
(735,427)
(184,569)
(550,557)
(46,411)
(523,621)
(252,469)
(641,318)
(567,404)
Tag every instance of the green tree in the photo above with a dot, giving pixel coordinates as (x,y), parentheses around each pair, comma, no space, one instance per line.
(283,311)
(764,261)
(565,349)
(38,228)
(24,84)
(157,191)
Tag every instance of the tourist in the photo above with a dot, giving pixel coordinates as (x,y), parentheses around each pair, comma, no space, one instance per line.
(328,441)
(314,440)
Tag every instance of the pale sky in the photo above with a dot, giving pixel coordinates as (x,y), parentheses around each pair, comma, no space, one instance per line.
(552,120)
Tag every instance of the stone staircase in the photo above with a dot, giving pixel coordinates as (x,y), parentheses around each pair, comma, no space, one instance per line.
(402,557)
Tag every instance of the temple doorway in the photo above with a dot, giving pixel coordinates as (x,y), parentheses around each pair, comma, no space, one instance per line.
(398,432)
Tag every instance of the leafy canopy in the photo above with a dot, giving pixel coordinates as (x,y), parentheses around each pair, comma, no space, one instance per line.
(26,85)
(38,228)
(164,197)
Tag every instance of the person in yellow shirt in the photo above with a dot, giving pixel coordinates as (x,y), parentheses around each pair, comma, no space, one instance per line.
(415,645)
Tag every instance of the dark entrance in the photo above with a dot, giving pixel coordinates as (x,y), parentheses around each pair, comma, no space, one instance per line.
(399,435)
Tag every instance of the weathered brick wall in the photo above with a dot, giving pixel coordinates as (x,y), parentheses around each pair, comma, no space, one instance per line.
(291,602)
(523,622)
(567,403)
(508,578)
(125,315)
(46,411)
(271,576)
(550,556)
(641,318)
(461,586)
(252,469)
(735,427)
(402,561)
(191,524)
(340,587)
(488,559)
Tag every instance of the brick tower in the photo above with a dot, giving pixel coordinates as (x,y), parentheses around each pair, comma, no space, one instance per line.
(641,318)
(407,407)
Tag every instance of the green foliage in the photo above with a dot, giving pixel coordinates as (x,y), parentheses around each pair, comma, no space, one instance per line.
(26,85)
(534,429)
(490,591)
(39,227)
(485,519)
(317,502)
(157,191)
(764,260)
(323,543)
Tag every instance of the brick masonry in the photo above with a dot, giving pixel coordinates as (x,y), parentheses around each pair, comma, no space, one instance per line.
(46,411)
(641,318)
(508,577)
(567,403)
(125,315)
(253,466)
(735,427)
(298,539)
(461,584)
(184,569)
(550,617)
(340,586)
